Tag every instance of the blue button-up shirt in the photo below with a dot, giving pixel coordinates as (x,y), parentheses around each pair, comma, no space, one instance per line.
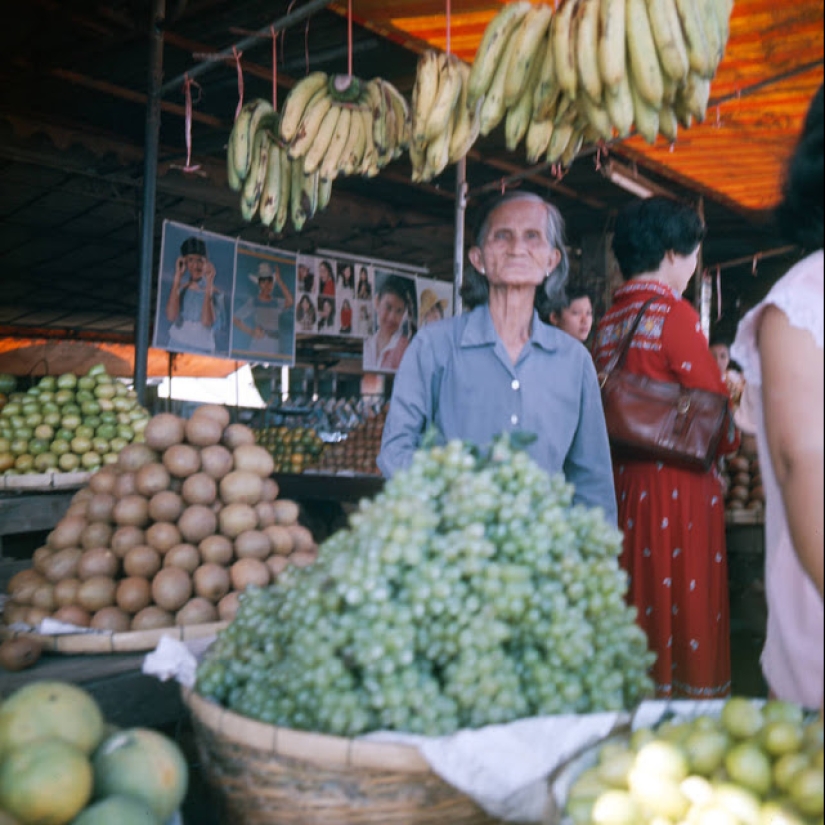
(457,375)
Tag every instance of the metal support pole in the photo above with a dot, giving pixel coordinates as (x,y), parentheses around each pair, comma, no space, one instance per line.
(460,210)
(150,173)
(700,262)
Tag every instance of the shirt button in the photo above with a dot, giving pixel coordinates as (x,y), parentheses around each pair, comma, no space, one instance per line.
(515,385)
(514,419)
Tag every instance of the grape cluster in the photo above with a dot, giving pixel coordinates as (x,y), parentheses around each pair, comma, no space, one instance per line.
(470,591)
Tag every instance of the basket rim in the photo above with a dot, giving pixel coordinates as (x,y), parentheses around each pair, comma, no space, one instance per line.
(319,748)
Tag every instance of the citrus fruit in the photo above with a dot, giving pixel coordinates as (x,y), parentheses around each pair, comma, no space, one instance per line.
(616,807)
(807,791)
(741,718)
(706,750)
(748,765)
(781,736)
(662,759)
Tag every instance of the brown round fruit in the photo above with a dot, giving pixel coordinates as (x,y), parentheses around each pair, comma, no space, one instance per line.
(245,572)
(240,486)
(103,481)
(286,511)
(133,594)
(171,588)
(269,490)
(302,538)
(216,412)
(22,585)
(252,544)
(63,564)
(182,460)
(67,533)
(43,597)
(125,538)
(152,478)
(142,561)
(65,591)
(184,556)
(266,514)
(216,461)
(254,459)
(217,549)
(163,536)
(100,506)
(40,558)
(18,654)
(211,581)
(132,457)
(132,510)
(203,431)
(228,606)
(302,558)
(280,539)
(152,618)
(165,506)
(199,488)
(96,593)
(111,618)
(96,534)
(237,434)
(125,485)
(277,565)
(234,519)
(164,430)
(197,611)
(99,561)
(196,523)
(73,614)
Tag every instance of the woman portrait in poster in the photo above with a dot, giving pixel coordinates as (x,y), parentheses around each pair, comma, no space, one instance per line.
(305,314)
(260,315)
(364,289)
(193,305)
(431,307)
(346,277)
(326,279)
(346,317)
(394,307)
(326,314)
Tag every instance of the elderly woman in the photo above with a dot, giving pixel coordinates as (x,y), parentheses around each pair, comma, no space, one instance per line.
(673,518)
(497,368)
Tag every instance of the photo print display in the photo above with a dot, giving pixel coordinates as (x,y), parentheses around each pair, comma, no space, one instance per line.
(395,320)
(435,300)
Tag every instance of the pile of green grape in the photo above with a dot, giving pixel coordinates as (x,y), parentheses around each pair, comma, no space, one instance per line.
(470,591)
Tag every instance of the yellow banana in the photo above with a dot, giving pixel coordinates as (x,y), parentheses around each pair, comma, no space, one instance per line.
(694,95)
(698,48)
(377,104)
(670,87)
(645,116)
(723,9)
(566,110)
(709,12)
(298,201)
(564,47)
(268,207)
(245,127)
(575,142)
(424,93)
(314,115)
(518,116)
(537,138)
(643,60)
(437,154)
(492,47)
(561,136)
(286,189)
(325,188)
(587,50)
(465,121)
(311,192)
(449,88)
(297,102)
(547,85)
(402,111)
(418,161)
(680,109)
(333,157)
(369,162)
(612,48)
(668,37)
(596,116)
(668,124)
(392,126)
(526,52)
(356,144)
(619,104)
(317,149)
(234,182)
(492,107)
(254,183)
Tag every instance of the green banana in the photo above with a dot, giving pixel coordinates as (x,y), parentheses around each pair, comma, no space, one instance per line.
(537,138)
(530,36)
(492,107)
(325,191)
(297,101)
(645,116)
(254,183)
(298,202)
(244,134)
(701,59)
(424,93)
(268,206)
(286,189)
(310,124)
(449,88)
(619,104)
(667,35)
(612,47)
(332,159)
(587,50)
(643,59)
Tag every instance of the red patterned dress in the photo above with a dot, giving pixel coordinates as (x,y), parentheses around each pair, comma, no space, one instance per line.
(673,519)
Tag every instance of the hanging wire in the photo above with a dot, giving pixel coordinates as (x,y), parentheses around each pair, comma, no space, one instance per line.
(349,37)
(187,91)
(449,27)
(274,67)
(718,293)
(237,55)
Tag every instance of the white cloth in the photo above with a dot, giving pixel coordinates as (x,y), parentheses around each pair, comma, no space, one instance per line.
(792,659)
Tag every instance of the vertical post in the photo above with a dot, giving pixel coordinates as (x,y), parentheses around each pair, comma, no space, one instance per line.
(458,254)
(150,170)
(700,261)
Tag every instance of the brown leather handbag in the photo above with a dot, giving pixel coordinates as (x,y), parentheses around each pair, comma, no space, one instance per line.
(658,420)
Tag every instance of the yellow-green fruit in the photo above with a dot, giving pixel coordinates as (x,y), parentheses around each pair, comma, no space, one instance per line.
(662,759)
(786,767)
(616,808)
(705,750)
(741,717)
(748,765)
(777,813)
(781,736)
(740,802)
(807,791)
(775,710)
(50,709)
(46,782)
(118,810)
(615,768)
(658,794)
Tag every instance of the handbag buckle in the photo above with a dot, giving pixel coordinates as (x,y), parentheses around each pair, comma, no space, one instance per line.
(683,405)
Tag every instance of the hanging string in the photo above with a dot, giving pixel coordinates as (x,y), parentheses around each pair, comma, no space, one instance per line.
(237,55)
(449,27)
(187,91)
(718,293)
(755,262)
(274,67)
(349,37)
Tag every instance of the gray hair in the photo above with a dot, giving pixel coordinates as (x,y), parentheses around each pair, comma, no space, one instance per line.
(475,289)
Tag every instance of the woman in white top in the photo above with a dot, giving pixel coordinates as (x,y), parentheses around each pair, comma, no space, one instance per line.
(779,345)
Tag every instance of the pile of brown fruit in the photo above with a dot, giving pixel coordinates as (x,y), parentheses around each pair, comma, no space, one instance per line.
(170,534)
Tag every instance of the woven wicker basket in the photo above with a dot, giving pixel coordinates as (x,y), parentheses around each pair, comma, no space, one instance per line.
(266,775)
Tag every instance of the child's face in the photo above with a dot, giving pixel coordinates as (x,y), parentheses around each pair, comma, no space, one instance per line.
(391,310)
(722,355)
(577,319)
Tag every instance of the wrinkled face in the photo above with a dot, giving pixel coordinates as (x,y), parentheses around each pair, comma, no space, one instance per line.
(390,309)
(194,263)
(577,319)
(722,355)
(516,251)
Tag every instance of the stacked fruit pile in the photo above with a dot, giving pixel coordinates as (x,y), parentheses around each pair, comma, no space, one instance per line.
(171,534)
(8,384)
(743,481)
(293,449)
(359,450)
(750,764)
(66,423)
(61,763)
(468,592)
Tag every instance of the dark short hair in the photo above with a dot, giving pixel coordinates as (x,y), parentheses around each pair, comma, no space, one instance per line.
(396,285)
(475,289)
(799,213)
(193,246)
(572,292)
(646,230)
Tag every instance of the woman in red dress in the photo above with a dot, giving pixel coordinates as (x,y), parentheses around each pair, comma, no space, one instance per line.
(672,518)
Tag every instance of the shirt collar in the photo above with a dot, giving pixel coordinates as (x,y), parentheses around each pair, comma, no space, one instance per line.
(479,330)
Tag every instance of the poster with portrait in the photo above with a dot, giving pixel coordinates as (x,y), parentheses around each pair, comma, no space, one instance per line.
(263,305)
(435,300)
(194,293)
(395,320)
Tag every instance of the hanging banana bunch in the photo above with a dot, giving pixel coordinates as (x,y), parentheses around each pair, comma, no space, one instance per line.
(589,70)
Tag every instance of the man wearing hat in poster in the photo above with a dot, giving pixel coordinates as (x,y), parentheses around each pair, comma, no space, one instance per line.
(191,308)
(260,315)
(430,307)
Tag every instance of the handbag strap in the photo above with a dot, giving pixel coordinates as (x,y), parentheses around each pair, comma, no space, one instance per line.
(617,359)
